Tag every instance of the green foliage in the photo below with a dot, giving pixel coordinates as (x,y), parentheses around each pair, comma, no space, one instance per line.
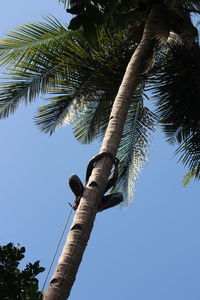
(134,146)
(29,68)
(188,177)
(89,14)
(177,98)
(82,81)
(46,58)
(16,284)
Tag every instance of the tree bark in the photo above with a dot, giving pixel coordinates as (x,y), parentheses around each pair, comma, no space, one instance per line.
(78,236)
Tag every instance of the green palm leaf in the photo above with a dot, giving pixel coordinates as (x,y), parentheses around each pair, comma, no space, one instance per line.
(28,80)
(134,147)
(65,107)
(188,177)
(46,58)
(177,98)
(83,80)
(54,114)
(25,42)
(25,86)
(31,61)
(92,122)
(189,152)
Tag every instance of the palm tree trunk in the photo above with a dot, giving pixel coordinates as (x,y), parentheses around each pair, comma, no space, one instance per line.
(70,259)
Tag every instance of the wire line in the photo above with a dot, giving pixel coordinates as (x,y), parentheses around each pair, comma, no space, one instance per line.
(56,251)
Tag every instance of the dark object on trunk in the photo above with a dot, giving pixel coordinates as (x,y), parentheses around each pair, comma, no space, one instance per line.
(107,201)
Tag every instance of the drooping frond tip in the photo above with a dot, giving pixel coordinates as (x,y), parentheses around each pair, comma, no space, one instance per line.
(188,177)
(65,2)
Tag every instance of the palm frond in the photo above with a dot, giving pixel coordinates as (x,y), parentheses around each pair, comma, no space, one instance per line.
(24,42)
(134,147)
(27,81)
(12,93)
(67,60)
(24,87)
(91,123)
(93,77)
(54,114)
(42,68)
(189,152)
(64,108)
(177,98)
(32,63)
(188,177)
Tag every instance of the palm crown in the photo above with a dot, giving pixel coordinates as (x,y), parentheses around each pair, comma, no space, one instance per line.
(81,81)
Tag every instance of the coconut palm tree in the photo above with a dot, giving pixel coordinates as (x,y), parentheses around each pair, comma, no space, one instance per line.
(46,58)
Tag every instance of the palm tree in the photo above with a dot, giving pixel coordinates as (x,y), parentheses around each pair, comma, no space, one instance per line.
(41,60)
(46,58)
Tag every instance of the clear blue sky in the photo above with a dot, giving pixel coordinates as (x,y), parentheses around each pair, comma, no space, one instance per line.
(150,250)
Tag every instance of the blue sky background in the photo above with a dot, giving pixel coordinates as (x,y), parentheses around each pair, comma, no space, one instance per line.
(150,250)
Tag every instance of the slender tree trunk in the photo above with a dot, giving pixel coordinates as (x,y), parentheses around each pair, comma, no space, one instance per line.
(70,259)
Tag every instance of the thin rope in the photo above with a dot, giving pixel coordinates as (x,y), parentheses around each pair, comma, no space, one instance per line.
(56,251)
